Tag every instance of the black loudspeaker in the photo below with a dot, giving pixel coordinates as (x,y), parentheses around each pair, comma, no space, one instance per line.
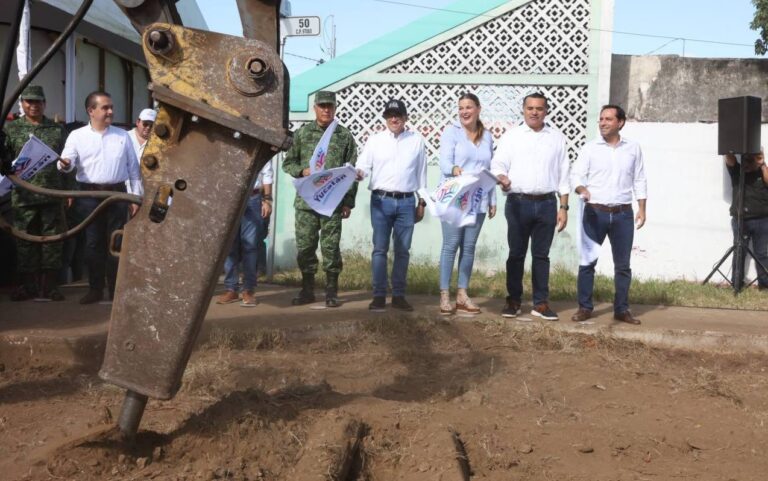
(739,125)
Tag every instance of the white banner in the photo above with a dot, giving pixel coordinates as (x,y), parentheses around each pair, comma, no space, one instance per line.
(317,162)
(34,157)
(324,190)
(23,49)
(458,199)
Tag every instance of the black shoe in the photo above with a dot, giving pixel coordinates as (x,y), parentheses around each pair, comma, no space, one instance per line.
(92,297)
(543,311)
(378,304)
(511,309)
(55,295)
(304,297)
(22,293)
(332,300)
(399,302)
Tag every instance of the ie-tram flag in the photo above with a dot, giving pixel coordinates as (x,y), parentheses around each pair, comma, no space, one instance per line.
(317,162)
(458,199)
(324,190)
(34,157)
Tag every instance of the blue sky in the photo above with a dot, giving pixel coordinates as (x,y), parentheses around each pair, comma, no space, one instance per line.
(359,21)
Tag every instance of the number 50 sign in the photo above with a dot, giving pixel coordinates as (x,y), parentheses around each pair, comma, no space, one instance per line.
(299,26)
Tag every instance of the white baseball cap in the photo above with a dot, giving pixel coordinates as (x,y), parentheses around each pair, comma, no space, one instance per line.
(148,114)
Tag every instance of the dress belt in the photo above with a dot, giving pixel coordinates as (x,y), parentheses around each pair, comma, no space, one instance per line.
(394,195)
(547,196)
(117,187)
(613,209)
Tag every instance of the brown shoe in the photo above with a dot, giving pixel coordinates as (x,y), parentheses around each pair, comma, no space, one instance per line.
(228,298)
(626,316)
(467,307)
(248,300)
(581,315)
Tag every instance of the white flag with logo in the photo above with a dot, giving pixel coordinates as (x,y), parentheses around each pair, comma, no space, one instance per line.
(34,157)
(317,162)
(458,199)
(324,190)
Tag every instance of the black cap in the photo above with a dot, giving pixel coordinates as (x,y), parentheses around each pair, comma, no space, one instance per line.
(395,106)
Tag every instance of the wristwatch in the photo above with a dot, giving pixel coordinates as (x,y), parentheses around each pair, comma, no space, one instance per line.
(564,206)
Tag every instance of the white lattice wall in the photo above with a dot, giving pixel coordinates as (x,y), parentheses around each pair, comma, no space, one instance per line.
(541,37)
(433,106)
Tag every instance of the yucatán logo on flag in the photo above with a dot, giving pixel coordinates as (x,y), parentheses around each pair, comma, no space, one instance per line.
(324,191)
(33,158)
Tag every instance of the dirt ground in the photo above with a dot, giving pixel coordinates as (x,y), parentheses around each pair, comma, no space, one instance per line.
(404,399)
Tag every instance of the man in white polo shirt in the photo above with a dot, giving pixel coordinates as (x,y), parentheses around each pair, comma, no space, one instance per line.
(607,173)
(395,160)
(104,159)
(531,163)
(140,133)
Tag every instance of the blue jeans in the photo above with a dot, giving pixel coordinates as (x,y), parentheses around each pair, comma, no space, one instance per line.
(245,248)
(620,229)
(534,220)
(455,238)
(391,218)
(756,230)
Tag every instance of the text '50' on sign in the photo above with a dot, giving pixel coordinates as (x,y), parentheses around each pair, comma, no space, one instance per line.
(299,26)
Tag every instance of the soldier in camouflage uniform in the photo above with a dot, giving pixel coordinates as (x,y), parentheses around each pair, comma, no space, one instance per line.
(36,214)
(311,226)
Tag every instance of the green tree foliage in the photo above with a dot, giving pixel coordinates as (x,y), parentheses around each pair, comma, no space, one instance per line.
(760,23)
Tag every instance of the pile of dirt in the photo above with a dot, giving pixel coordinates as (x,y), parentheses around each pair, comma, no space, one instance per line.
(405,399)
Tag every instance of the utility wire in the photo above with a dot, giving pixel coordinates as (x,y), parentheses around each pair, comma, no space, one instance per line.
(318,60)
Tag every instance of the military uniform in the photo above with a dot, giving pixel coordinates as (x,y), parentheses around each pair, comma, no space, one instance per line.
(34,213)
(312,227)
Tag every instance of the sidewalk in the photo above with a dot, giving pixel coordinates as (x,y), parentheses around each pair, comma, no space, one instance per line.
(67,332)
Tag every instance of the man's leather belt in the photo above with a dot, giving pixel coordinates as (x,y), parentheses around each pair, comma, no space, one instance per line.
(394,195)
(546,196)
(117,187)
(613,209)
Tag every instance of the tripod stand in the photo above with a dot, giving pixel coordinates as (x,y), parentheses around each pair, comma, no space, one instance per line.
(740,245)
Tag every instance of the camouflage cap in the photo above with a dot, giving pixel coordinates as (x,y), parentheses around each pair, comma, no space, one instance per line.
(33,92)
(325,97)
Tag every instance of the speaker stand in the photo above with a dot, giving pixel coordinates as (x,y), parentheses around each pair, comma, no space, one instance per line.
(740,246)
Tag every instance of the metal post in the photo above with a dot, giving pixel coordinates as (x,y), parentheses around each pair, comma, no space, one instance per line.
(131,413)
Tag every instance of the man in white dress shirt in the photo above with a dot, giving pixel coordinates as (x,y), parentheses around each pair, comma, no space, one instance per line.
(140,133)
(607,173)
(531,163)
(395,160)
(104,159)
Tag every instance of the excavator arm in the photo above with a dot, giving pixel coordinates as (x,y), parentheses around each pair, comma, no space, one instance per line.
(222,114)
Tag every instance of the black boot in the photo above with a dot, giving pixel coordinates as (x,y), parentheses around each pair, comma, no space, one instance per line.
(27,290)
(48,287)
(307,293)
(332,290)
